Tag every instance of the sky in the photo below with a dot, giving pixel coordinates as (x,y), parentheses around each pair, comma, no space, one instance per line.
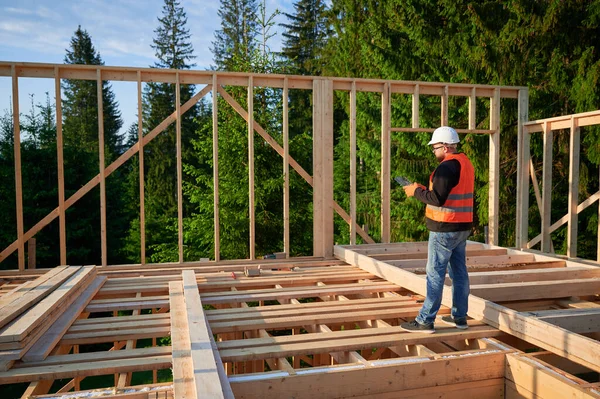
(121,31)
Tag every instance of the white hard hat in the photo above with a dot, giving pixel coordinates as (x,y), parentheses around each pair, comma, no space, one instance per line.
(444,134)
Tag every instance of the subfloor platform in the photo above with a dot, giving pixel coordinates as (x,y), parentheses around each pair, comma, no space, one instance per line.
(301,328)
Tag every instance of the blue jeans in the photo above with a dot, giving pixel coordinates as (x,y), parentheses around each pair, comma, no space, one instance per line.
(446,251)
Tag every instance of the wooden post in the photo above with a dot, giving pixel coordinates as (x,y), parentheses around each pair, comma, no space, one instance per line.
(523,158)
(17,154)
(444,106)
(31,253)
(573,188)
(141,172)
(286,172)
(385,162)
(101,167)
(353,164)
(322,167)
(179,169)
(547,188)
(473,109)
(215,121)
(494,168)
(251,164)
(415,107)
(60,170)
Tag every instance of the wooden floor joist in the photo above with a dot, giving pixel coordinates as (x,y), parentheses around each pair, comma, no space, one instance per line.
(319,328)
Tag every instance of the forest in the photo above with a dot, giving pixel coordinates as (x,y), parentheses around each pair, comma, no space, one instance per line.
(550,46)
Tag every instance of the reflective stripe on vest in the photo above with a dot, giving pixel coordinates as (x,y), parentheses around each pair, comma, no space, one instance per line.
(458,207)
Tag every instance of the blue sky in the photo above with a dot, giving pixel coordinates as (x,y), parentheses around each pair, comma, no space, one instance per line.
(121,31)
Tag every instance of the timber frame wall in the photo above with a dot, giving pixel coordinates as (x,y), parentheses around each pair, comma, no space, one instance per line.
(322,174)
(571,123)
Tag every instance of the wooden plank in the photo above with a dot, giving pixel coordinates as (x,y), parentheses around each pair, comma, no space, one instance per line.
(88,357)
(17,375)
(359,380)
(536,289)
(415,107)
(542,379)
(179,168)
(322,168)
(209,374)
(492,388)
(17,155)
(250,128)
(523,158)
(471,260)
(215,123)
(183,368)
(444,106)
(473,109)
(349,337)
(579,321)
(385,177)
(31,253)
(423,255)
(102,165)
(574,144)
(33,317)
(564,273)
(141,170)
(326,318)
(494,170)
(27,294)
(286,171)
(43,346)
(547,189)
(353,221)
(575,347)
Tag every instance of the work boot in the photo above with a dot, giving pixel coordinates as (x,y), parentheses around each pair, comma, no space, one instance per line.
(458,323)
(415,326)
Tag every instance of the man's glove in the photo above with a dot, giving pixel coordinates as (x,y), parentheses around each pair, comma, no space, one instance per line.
(411,188)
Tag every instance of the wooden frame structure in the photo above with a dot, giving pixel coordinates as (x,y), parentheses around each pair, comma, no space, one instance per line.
(215,82)
(322,326)
(547,127)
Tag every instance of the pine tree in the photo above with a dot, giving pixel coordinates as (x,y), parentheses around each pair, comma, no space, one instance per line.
(80,132)
(235,42)
(173,50)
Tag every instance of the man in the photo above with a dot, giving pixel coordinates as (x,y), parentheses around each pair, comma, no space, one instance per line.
(449,216)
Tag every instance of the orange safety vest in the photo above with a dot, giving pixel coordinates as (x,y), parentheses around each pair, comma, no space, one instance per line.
(458,207)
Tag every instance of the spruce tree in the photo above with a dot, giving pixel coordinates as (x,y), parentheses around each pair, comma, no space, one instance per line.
(173,50)
(80,132)
(235,42)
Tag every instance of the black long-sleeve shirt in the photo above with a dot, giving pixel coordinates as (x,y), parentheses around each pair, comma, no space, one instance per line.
(445,178)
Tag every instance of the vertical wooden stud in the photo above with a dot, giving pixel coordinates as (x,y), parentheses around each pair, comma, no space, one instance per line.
(101,167)
(286,171)
(251,164)
(473,109)
(494,168)
(444,106)
(353,164)
(385,162)
(179,169)
(573,188)
(523,159)
(215,121)
(415,107)
(322,167)
(31,253)
(60,170)
(547,188)
(141,171)
(17,154)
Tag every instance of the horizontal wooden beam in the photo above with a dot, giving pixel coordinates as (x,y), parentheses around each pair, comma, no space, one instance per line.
(395,375)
